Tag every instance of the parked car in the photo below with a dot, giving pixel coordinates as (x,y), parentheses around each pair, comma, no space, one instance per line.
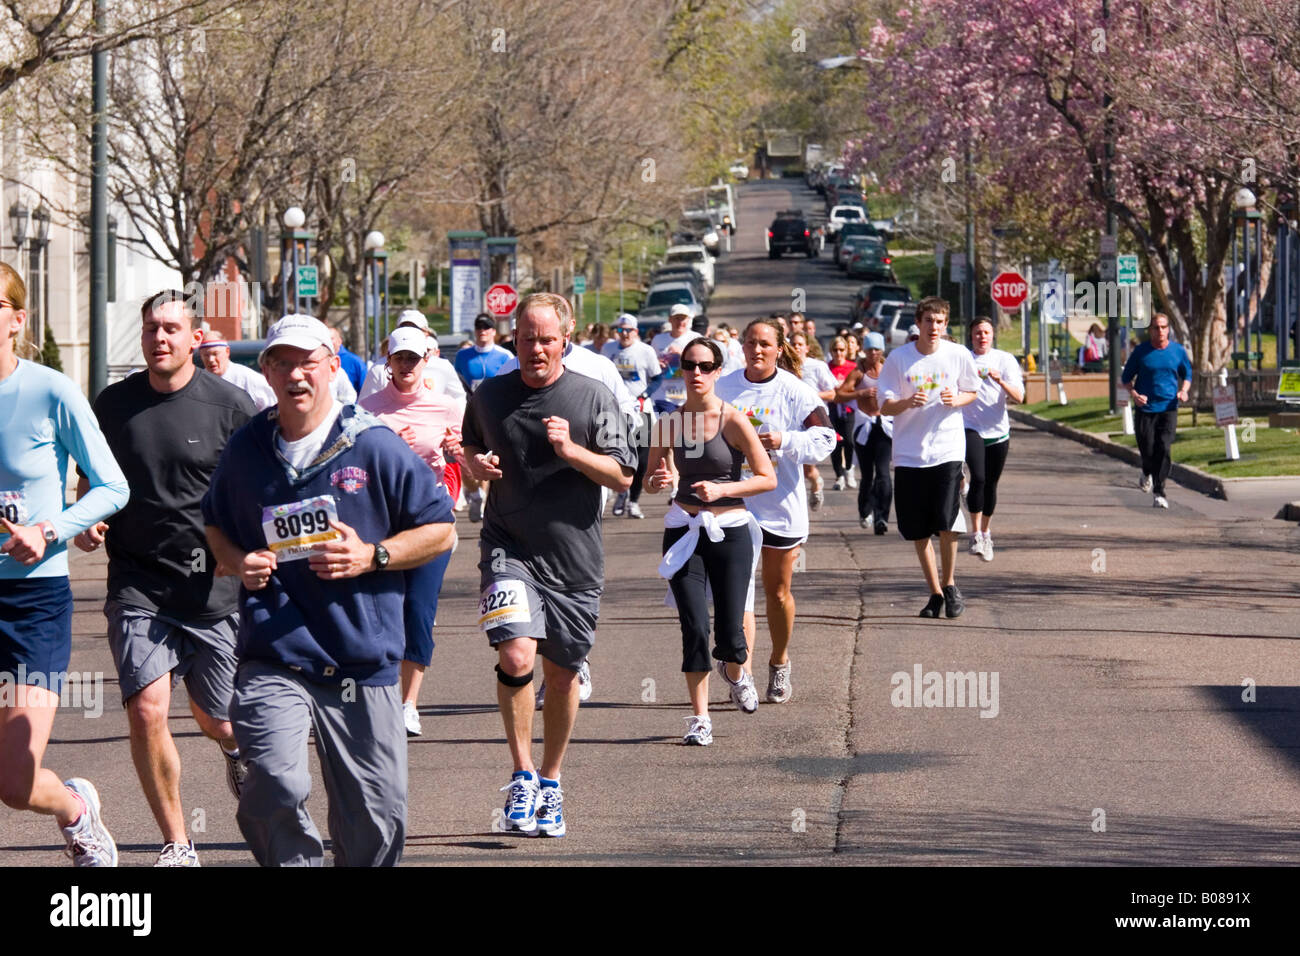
(680,274)
(699,229)
(839,215)
(790,232)
(870,258)
(880,313)
(900,327)
(663,296)
(739,169)
(873,292)
(695,255)
(847,248)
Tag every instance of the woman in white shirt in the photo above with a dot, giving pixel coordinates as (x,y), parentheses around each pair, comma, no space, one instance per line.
(816,374)
(794,429)
(988,430)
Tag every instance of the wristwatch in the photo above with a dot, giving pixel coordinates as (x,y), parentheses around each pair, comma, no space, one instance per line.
(381,557)
(48,532)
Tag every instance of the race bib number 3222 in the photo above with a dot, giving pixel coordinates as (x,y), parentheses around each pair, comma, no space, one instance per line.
(503,602)
(294,530)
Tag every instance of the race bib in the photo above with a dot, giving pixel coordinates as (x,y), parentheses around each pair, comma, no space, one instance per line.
(293,530)
(14,507)
(503,602)
(675,391)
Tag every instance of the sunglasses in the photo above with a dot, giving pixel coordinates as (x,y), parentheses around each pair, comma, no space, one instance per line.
(705,367)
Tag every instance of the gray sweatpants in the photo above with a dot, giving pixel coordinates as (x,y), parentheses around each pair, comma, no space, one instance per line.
(361,744)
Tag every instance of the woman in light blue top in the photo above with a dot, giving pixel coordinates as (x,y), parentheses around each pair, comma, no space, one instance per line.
(44,420)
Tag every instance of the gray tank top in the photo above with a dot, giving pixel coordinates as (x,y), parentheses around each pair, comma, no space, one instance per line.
(719,462)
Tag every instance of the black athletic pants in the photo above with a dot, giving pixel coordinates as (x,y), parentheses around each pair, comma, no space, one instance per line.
(876,491)
(725,568)
(985,463)
(841,454)
(1155,437)
(639,438)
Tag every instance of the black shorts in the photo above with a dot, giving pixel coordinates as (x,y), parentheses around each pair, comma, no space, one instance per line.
(927,501)
(780,542)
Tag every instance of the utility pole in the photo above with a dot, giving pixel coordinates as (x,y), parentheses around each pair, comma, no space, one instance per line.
(1112,321)
(98,215)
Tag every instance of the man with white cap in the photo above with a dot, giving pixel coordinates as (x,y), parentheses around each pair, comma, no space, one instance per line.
(668,346)
(638,364)
(315,505)
(214,351)
(439,374)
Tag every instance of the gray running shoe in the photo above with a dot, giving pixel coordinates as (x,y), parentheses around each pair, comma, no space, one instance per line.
(634,510)
(779,690)
(475,506)
(743,693)
(236,773)
(620,504)
(178,854)
(699,733)
(89,842)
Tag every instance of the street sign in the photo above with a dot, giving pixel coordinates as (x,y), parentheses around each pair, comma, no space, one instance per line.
(957,267)
(1288,385)
(579,284)
(1106,268)
(308,281)
(1225,406)
(1009,289)
(1126,270)
(1107,247)
(501,299)
(939,251)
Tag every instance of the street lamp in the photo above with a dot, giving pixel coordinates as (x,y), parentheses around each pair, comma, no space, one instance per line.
(375,288)
(18,224)
(295,255)
(1251,221)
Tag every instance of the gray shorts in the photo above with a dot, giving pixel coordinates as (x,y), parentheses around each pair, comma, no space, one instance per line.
(562,622)
(147,645)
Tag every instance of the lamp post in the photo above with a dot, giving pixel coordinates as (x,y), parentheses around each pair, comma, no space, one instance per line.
(1251,220)
(38,272)
(375,289)
(18,224)
(295,253)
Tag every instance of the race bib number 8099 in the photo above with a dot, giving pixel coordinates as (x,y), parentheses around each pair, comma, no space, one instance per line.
(294,530)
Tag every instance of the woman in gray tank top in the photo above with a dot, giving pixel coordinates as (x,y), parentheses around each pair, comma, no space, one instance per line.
(710,540)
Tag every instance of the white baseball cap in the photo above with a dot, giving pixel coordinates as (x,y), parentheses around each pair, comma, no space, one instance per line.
(407,339)
(680,310)
(298,331)
(413,317)
(625,321)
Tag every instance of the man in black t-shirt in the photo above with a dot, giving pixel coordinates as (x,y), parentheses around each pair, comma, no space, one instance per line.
(168,612)
(548,440)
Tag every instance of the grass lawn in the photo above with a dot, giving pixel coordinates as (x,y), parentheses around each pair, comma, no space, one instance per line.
(1274,451)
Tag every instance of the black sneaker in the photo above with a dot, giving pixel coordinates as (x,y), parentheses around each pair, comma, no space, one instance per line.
(881,527)
(953,604)
(932,609)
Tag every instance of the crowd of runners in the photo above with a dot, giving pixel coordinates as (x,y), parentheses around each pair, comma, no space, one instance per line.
(280,545)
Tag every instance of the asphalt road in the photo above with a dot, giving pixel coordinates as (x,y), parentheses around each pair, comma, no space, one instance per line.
(1120,636)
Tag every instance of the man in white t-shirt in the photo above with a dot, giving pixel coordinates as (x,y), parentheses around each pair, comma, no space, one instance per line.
(671,390)
(214,352)
(924,386)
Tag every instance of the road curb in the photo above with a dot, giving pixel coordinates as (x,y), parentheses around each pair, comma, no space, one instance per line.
(1185,475)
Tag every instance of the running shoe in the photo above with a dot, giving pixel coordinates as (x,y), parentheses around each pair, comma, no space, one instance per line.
(864,522)
(850,480)
(839,484)
(1145,483)
(977,543)
(620,504)
(778,683)
(699,733)
(1160,502)
(933,607)
(411,717)
(634,510)
(584,682)
(987,553)
(815,500)
(550,809)
(236,773)
(178,854)
(475,506)
(743,693)
(953,604)
(520,811)
(541,694)
(881,526)
(461,504)
(89,842)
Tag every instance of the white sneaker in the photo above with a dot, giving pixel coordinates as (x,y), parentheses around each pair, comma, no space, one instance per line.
(411,717)
(461,504)
(634,510)
(699,733)
(839,484)
(1160,502)
(520,812)
(743,693)
(178,854)
(620,504)
(815,500)
(1145,483)
(977,543)
(987,553)
(584,681)
(778,684)
(850,480)
(89,842)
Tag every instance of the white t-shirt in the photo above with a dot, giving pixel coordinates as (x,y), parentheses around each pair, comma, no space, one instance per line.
(439,375)
(638,364)
(988,413)
(933,433)
(672,387)
(781,404)
(257,387)
(302,452)
(817,376)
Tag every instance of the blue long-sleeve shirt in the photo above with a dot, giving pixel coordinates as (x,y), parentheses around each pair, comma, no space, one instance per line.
(1160,374)
(44,420)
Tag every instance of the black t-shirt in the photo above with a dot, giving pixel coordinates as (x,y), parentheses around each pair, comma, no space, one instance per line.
(168,446)
(543,511)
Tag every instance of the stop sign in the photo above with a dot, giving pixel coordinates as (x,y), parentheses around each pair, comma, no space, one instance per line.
(501,299)
(1009,289)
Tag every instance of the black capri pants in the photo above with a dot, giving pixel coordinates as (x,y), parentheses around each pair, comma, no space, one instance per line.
(725,567)
(985,463)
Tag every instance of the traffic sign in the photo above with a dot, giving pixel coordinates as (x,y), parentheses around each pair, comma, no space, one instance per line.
(957,267)
(1126,270)
(1009,289)
(308,281)
(1225,406)
(579,284)
(501,299)
(1107,246)
(939,251)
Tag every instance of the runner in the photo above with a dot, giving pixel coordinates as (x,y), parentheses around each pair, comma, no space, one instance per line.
(1158,375)
(214,351)
(671,391)
(315,504)
(929,445)
(540,435)
(711,542)
(817,376)
(439,374)
(873,435)
(430,424)
(793,428)
(988,430)
(350,363)
(639,365)
(475,365)
(46,421)
(170,616)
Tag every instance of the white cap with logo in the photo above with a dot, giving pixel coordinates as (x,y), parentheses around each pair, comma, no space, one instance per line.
(407,339)
(413,317)
(300,332)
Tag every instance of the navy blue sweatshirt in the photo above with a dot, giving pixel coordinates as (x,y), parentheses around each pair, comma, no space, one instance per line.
(326,630)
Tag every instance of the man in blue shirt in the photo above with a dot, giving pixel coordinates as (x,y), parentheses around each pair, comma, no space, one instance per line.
(352,365)
(1158,375)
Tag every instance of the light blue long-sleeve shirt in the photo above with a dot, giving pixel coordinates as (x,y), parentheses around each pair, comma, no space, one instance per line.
(44,419)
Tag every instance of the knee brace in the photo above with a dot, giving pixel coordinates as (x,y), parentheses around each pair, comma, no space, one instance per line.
(509,681)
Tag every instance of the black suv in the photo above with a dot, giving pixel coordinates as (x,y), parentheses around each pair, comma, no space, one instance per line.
(790,232)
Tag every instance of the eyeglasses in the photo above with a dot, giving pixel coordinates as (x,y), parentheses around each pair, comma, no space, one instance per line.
(6,304)
(284,366)
(625,331)
(705,367)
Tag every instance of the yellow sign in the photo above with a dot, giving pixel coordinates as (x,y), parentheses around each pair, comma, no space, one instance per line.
(1288,384)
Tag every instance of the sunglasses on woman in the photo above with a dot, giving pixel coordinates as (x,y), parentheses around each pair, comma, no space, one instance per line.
(705,367)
